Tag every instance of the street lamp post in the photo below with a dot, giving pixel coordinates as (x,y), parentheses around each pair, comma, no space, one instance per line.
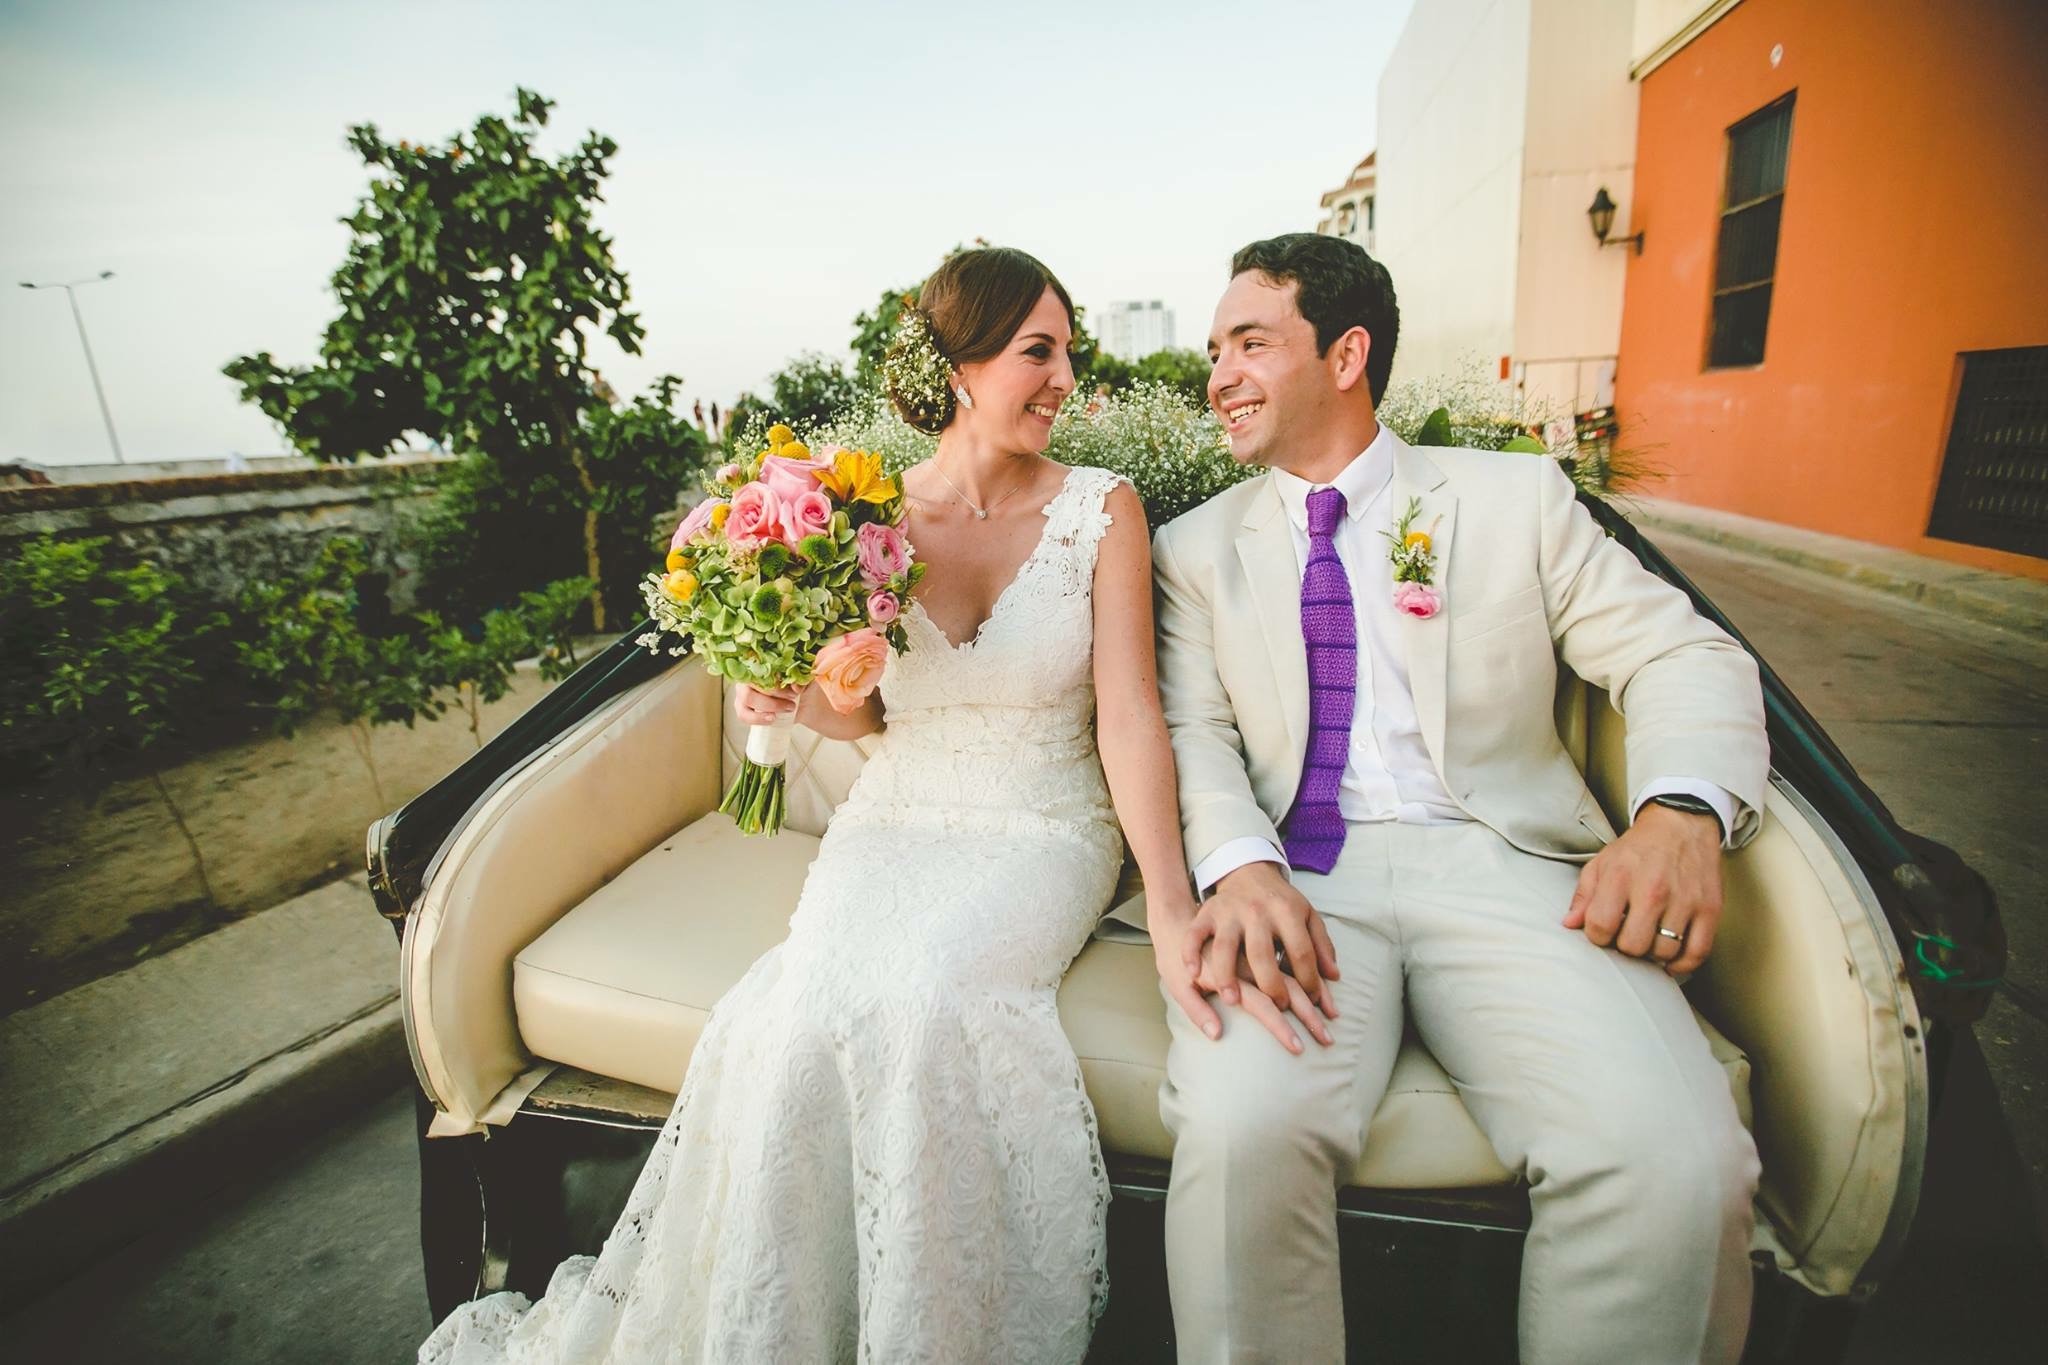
(69,287)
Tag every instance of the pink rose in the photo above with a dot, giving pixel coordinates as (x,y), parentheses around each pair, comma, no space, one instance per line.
(1417,600)
(791,479)
(699,517)
(881,552)
(849,667)
(882,606)
(756,517)
(808,514)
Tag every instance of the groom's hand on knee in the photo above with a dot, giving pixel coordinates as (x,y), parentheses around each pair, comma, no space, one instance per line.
(1254,915)
(1656,891)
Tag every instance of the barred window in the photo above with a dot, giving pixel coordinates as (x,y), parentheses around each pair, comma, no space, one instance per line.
(1994,476)
(1746,260)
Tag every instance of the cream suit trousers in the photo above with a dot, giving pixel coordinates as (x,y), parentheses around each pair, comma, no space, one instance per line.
(1583,1067)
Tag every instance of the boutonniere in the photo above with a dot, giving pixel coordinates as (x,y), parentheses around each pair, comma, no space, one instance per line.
(1414,560)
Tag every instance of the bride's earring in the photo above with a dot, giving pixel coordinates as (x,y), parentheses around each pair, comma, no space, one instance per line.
(966,399)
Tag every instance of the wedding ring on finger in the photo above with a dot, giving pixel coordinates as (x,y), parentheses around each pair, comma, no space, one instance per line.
(1677,937)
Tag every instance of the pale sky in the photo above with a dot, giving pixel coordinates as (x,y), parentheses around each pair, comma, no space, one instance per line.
(778,165)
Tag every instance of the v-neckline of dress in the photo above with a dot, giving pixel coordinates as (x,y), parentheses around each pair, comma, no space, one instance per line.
(1016,578)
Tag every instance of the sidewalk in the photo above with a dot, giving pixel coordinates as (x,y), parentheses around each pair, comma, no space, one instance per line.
(134,1096)
(1992,598)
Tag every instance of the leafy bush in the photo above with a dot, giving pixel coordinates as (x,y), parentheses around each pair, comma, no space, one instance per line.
(307,650)
(1172,450)
(97,660)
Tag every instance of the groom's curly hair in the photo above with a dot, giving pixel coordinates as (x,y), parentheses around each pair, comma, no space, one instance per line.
(1338,287)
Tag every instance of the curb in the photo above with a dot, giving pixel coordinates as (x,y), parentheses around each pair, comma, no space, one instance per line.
(171,1163)
(1989,598)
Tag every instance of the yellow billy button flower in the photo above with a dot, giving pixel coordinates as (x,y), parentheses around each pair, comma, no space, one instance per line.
(856,476)
(780,435)
(794,450)
(680,585)
(677,560)
(1416,538)
(719,514)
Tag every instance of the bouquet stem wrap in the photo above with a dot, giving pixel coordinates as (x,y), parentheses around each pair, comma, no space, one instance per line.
(756,799)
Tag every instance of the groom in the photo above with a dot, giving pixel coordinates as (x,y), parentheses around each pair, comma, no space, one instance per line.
(1380,817)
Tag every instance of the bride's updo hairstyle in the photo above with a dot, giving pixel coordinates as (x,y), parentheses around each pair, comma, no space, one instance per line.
(966,312)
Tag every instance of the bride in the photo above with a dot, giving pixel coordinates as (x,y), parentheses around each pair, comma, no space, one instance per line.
(882,1150)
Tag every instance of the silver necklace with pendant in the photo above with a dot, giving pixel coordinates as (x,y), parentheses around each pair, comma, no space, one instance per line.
(980,513)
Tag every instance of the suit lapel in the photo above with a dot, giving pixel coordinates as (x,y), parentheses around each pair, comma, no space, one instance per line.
(1428,642)
(1265,547)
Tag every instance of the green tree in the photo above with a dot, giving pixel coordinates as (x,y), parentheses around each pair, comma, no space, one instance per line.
(1184,371)
(810,389)
(474,283)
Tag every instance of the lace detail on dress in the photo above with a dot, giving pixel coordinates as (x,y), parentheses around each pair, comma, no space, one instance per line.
(883,1150)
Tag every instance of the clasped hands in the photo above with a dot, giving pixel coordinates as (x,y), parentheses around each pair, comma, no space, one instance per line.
(1256,929)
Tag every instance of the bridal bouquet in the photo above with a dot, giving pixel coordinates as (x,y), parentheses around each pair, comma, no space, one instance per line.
(793,571)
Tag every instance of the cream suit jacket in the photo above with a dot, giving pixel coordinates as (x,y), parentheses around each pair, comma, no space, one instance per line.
(1527,577)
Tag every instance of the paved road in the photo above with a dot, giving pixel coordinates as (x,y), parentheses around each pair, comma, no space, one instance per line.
(1947,720)
(312,1261)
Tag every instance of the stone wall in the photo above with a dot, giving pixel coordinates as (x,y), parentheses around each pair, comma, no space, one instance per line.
(93,882)
(220,531)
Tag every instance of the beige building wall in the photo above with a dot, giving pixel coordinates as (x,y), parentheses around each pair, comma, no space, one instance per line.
(1580,136)
(1451,108)
(1499,120)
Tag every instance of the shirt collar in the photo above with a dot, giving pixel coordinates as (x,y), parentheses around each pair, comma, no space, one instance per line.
(1360,482)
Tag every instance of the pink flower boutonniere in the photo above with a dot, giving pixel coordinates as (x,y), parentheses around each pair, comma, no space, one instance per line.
(1414,560)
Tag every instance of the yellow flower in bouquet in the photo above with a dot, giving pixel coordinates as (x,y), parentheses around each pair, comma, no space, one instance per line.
(680,585)
(856,476)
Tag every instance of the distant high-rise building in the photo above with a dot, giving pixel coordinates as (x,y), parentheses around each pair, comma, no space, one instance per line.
(1131,329)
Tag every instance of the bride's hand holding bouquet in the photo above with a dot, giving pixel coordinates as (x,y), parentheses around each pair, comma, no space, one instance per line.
(792,572)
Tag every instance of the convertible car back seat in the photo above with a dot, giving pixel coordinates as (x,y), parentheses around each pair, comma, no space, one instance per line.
(593,906)
(622,985)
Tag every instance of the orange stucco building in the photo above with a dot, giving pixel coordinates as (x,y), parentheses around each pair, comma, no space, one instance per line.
(1856,191)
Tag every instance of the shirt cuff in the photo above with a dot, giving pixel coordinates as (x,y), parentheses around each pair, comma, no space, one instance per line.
(1719,798)
(1250,848)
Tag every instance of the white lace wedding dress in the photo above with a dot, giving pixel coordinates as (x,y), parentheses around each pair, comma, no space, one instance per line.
(882,1150)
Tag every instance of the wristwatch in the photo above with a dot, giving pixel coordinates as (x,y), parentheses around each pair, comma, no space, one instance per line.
(1691,805)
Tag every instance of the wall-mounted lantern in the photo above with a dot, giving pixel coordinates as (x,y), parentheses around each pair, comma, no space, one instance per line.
(1601,212)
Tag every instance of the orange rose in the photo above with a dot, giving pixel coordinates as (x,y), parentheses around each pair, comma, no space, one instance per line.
(849,667)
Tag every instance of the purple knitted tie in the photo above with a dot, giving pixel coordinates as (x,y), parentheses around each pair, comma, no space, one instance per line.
(1314,828)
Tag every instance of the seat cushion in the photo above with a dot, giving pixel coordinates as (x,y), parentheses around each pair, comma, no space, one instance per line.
(622,985)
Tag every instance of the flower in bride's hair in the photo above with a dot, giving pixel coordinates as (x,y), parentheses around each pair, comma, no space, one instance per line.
(756,517)
(915,368)
(882,553)
(849,667)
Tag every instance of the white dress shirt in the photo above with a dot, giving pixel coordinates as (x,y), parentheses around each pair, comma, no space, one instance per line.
(1388,773)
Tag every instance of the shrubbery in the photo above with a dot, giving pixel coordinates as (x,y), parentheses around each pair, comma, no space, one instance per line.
(102,660)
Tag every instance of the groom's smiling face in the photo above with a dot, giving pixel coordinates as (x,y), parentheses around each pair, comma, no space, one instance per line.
(1268,385)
